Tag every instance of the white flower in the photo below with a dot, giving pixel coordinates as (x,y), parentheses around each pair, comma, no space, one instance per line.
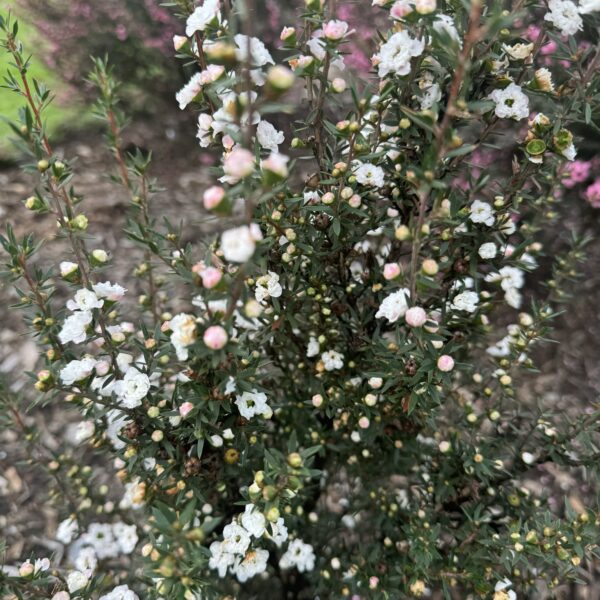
(84,300)
(268,137)
(252,403)
(121,592)
(513,297)
(502,586)
(332,360)
(66,530)
(268,286)
(220,558)
(202,16)
(253,521)
(41,564)
(394,306)
(66,268)
(108,290)
(76,370)
(125,536)
(132,388)
(313,347)
(84,431)
(432,94)
(76,581)
(588,6)
(299,555)
(518,51)
(279,532)
(395,55)
(482,212)
(254,562)
(511,103)
(116,420)
(368,174)
(570,152)
(184,332)
(236,538)
(445,24)
(86,560)
(500,348)
(205,122)
(511,277)
(100,537)
(238,244)
(74,328)
(564,16)
(189,91)
(133,496)
(487,251)
(260,55)
(466,301)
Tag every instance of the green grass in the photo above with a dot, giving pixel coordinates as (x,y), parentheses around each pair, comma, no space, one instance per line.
(60,115)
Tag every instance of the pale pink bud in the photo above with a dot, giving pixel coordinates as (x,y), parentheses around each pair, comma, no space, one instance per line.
(185,409)
(391,271)
(445,363)
(400,9)
(102,368)
(238,164)
(335,30)
(338,85)
(364,422)
(424,7)
(26,569)
(415,316)
(355,201)
(211,277)
(276,163)
(199,267)
(287,33)
(373,582)
(228,142)
(179,41)
(213,196)
(317,400)
(215,337)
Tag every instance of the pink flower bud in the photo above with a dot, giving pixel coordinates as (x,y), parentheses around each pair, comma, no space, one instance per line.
(391,271)
(445,363)
(102,368)
(355,201)
(415,316)
(211,277)
(364,423)
(400,9)
(335,30)
(213,196)
(373,582)
(215,337)
(185,409)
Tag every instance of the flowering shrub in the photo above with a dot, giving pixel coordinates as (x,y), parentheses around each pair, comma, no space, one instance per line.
(333,409)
